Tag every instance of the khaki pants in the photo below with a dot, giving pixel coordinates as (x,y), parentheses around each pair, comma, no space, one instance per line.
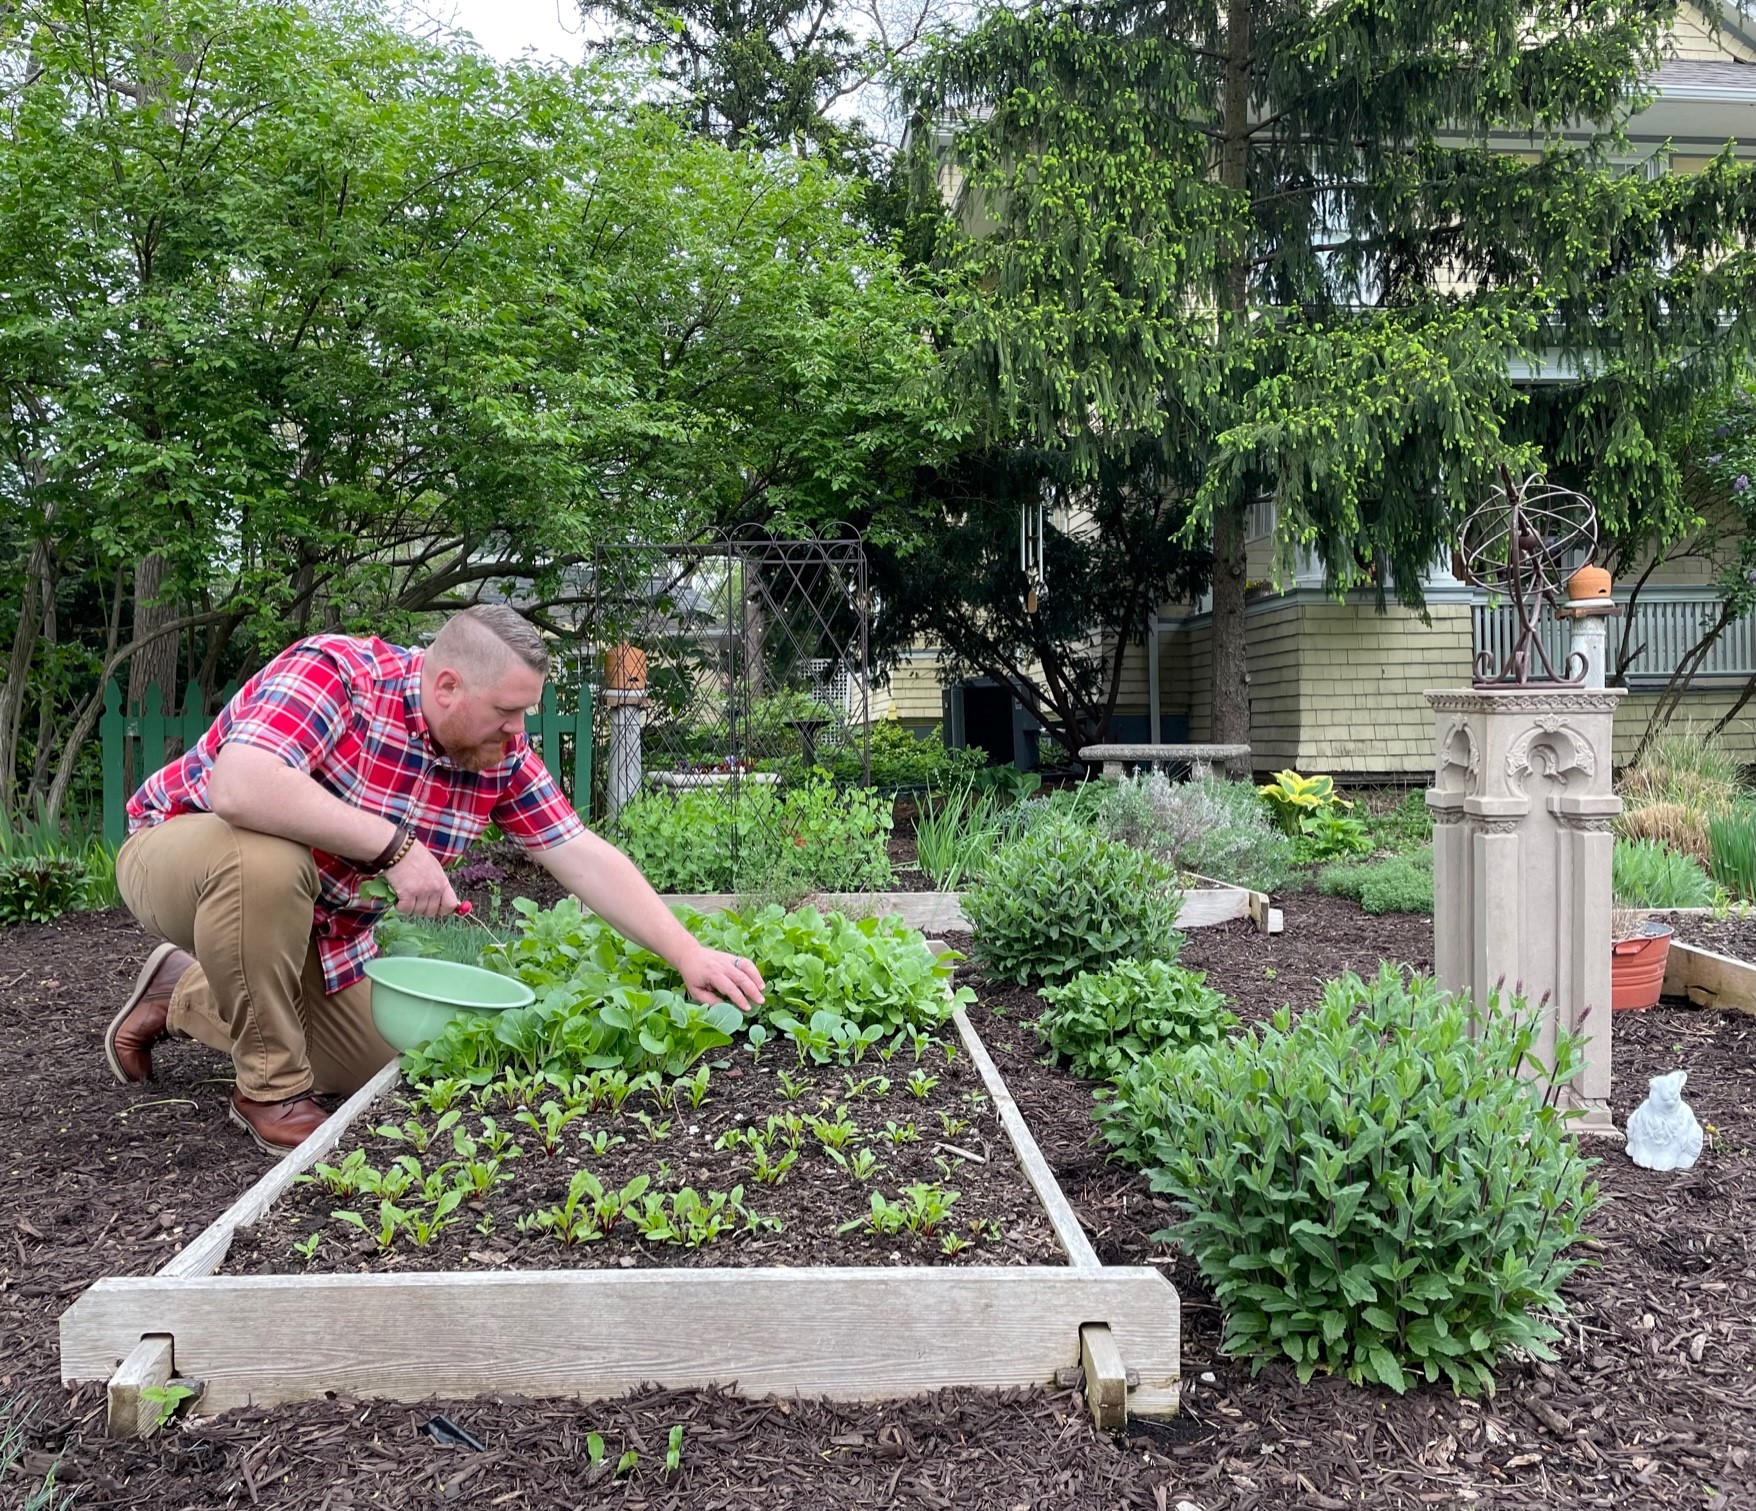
(241,903)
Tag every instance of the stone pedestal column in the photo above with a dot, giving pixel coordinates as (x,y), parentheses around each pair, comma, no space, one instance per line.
(626,760)
(1522,805)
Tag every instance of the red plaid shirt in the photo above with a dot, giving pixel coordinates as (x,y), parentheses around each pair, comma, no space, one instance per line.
(348,713)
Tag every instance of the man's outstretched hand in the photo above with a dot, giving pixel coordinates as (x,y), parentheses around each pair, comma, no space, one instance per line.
(714,976)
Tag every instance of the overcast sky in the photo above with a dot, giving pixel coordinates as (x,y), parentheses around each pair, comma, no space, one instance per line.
(507,28)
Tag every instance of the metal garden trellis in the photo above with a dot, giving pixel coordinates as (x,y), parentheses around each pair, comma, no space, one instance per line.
(728,664)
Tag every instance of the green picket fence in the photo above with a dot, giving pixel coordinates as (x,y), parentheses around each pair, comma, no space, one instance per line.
(147,737)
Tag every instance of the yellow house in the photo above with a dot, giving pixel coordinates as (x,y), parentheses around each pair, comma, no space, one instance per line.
(1334,685)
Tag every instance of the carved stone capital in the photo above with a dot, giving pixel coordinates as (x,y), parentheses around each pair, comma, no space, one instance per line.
(1595,700)
(1585,823)
(1494,823)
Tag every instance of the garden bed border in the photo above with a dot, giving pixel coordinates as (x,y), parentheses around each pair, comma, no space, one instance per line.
(1708,979)
(1213,902)
(851,1333)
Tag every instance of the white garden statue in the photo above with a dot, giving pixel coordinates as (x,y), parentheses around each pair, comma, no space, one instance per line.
(1663,1133)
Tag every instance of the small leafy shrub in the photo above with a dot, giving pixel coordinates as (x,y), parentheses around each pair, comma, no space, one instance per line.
(1732,847)
(1212,828)
(812,837)
(39,888)
(1102,1022)
(1330,836)
(1646,875)
(1064,899)
(1292,798)
(1374,1191)
(1407,826)
(1401,884)
(899,759)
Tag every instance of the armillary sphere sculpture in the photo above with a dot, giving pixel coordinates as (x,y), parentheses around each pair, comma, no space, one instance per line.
(1524,540)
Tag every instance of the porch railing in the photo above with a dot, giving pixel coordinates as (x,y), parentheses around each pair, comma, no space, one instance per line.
(1667,624)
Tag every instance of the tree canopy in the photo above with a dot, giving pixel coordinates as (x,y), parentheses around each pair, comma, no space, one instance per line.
(1300,252)
(338,325)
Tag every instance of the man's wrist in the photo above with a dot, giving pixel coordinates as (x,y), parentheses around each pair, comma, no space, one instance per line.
(399,844)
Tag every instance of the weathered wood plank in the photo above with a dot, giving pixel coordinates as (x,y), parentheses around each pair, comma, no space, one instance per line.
(1708,979)
(843,1333)
(208,1250)
(1106,1379)
(1080,1253)
(148,1363)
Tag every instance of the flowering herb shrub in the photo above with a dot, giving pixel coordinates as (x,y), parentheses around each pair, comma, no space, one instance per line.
(1102,1022)
(1386,1189)
(1064,899)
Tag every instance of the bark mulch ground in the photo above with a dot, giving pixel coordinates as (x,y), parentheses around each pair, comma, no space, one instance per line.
(1733,935)
(947,1139)
(1650,1403)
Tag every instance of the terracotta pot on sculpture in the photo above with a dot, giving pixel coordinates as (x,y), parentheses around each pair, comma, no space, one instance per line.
(1637,967)
(1588,583)
(625,668)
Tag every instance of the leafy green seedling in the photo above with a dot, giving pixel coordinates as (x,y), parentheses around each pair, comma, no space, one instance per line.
(594,1448)
(601,1142)
(415,1133)
(864,1165)
(952,1125)
(674,1450)
(339,1180)
(953,1244)
(792,1086)
(921,1084)
(306,1247)
(656,1133)
(165,1401)
(695,1087)
(757,1037)
(900,1133)
(549,1122)
(441,1096)
(834,1134)
(628,1460)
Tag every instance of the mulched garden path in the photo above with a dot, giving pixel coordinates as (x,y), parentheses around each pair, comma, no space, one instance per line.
(947,1138)
(1650,1404)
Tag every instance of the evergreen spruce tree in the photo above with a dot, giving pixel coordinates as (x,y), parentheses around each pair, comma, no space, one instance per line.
(1302,250)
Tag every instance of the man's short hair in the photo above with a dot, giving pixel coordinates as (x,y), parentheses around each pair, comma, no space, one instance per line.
(480,640)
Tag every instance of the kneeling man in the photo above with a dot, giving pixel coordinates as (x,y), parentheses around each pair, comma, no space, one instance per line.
(341,760)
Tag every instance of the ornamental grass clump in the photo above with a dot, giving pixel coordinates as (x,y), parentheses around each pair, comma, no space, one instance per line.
(1647,875)
(1102,1022)
(1064,899)
(1374,1191)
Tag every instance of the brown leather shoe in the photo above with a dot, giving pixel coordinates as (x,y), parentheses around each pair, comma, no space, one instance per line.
(278,1126)
(129,1039)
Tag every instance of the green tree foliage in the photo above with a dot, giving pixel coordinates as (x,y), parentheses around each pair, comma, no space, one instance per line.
(341,326)
(1296,251)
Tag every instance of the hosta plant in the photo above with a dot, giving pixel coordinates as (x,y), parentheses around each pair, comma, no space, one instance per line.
(1064,899)
(1292,798)
(1102,1022)
(1386,1189)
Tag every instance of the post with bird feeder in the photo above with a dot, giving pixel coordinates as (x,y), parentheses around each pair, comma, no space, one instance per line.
(1521,797)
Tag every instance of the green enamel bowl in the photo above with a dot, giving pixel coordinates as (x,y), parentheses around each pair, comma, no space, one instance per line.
(413,999)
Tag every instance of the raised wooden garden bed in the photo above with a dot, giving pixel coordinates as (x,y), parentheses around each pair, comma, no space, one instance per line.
(1211,902)
(1708,979)
(845,1332)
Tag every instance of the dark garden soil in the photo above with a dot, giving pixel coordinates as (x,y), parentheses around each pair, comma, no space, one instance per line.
(1734,935)
(1650,1404)
(952,1141)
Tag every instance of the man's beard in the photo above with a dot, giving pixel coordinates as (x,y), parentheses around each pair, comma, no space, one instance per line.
(481,757)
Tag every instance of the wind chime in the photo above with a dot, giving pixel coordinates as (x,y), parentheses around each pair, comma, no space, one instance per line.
(1031,515)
